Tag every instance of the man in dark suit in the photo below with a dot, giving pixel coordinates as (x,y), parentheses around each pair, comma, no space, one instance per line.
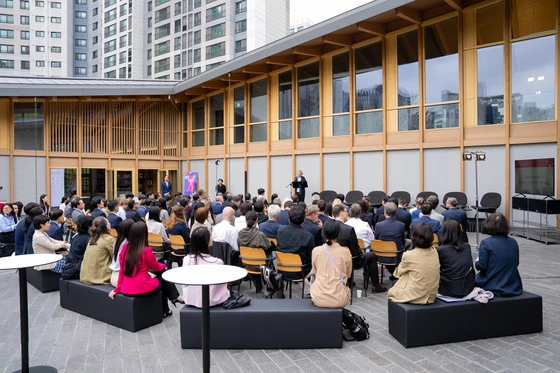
(292,238)
(300,191)
(347,237)
(132,212)
(311,224)
(221,188)
(57,218)
(393,230)
(258,207)
(113,218)
(455,213)
(380,211)
(97,204)
(426,209)
(166,186)
(402,215)
(271,226)
(322,205)
(283,218)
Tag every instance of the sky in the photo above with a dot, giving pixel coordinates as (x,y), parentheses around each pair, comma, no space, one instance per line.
(320,10)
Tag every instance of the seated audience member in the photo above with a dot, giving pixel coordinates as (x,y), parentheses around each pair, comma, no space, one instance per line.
(366,215)
(97,258)
(362,228)
(123,205)
(78,247)
(241,222)
(122,234)
(393,230)
(312,224)
(163,214)
(328,210)
(418,272)
(69,209)
(135,260)
(270,227)
(283,218)
(425,218)
(8,224)
(18,208)
(78,210)
(142,210)
(19,234)
(332,266)
(498,259)
(199,255)
(273,197)
(340,196)
(218,206)
(248,199)
(251,236)
(43,244)
(201,220)
(225,231)
(154,223)
(455,213)
(415,212)
(29,229)
(433,201)
(63,201)
(196,206)
(259,208)
(113,217)
(57,219)
(97,207)
(404,216)
(322,206)
(456,270)
(292,238)
(132,212)
(347,238)
(381,210)
(336,202)
(177,224)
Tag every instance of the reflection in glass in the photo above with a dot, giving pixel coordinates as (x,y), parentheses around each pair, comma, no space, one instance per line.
(533,79)
(308,128)
(341,125)
(198,138)
(371,122)
(442,63)
(442,116)
(124,183)
(259,102)
(407,51)
(285,130)
(369,77)
(239,135)
(198,115)
(216,136)
(257,132)
(285,96)
(491,85)
(409,119)
(308,90)
(25,122)
(490,24)
(217,111)
(239,105)
(341,83)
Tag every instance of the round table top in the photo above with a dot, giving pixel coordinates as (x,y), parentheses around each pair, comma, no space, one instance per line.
(28,261)
(204,274)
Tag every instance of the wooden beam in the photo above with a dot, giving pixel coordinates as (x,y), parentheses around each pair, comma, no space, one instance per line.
(256,69)
(195,92)
(410,15)
(234,77)
(215,84)
(371,28)
(281,60)
(342,40)
(308,51)
(455,4)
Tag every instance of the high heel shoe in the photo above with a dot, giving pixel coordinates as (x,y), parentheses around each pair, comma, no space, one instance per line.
(175,301)
(169,313)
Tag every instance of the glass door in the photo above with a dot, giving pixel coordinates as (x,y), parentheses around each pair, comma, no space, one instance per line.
(123,183)
(172,179)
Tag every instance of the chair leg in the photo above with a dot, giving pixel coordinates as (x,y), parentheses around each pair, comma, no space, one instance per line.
(352,287)
(382,271)
(303,288)
(290,289)
(366,279)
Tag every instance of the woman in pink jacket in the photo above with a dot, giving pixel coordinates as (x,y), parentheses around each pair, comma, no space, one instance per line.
(136,259)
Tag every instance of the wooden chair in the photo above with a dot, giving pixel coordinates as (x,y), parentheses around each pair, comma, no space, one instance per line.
(71,229)
(157,244)
(178,250)
(113,233)
(362,245)
(143,219)
(274,241)
(436,241)
(165,224)
(384,249)
(291,263)
(251,259)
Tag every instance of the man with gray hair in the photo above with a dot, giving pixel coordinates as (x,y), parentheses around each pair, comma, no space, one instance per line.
(270,227)
(455,213)
(225,231)
(393,230)
(312,224)
(434,202)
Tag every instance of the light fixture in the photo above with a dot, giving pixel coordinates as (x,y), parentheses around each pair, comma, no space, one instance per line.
(540,77)
(467,156)
(217,162)
(480,156)
(538,92)
(531,79)
(477,156)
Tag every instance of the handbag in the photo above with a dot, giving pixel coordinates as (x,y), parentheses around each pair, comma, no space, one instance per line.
(272,281)
(236,300)
(338,271)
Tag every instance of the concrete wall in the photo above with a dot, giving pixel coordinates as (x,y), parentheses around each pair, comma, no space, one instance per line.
(337,172)
(257,175)
(24,178)
(368,171)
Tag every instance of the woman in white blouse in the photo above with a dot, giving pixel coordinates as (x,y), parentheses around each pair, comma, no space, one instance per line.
(43,244)
(154,223)
(362,228)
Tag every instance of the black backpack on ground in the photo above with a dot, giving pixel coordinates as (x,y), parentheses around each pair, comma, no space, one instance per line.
(354,326)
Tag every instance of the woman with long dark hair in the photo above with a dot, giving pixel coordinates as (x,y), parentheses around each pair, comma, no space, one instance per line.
(122,238)
(201,240)
(97,258)
(79,245)
(135,260)
(8,223)
(177,224)
(154,223)
(44,203)
(18,208)
(29,230)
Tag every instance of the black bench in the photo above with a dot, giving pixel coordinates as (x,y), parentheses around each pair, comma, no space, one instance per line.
(44,281)
(265,324)
(127,313)
(421,325)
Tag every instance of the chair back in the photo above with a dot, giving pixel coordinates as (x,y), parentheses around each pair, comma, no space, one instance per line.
(459,196)
(288,262)
(274,241)
(401,194)
(436,241)
(165,223)
(353,196)
(425,195)
(155,241)
(70,223)
(491,200)
(252,256)
(113,233)
(361,243)
(375,197)
(385,249)
(177,242)
(328,195)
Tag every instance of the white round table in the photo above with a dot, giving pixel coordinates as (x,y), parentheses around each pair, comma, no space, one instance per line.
(21,262)
(205,275)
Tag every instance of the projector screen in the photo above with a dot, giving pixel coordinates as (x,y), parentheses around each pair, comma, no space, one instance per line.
(535,176)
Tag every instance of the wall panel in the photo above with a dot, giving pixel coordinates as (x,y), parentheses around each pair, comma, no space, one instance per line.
(200,167)
(403,171)
(442,171)
(257,175)
(309,164)
(24,178)
(281,175)
(5,182)
(336,175)
(368,171)
(236,176)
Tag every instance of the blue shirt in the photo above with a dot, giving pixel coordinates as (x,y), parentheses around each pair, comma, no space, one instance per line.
(434,224)
(415,214)
(270,228)
(7,223)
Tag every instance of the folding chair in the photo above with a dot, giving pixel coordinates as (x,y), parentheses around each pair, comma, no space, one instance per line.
(252,258)
(291,264)
(178,250)
(384,249)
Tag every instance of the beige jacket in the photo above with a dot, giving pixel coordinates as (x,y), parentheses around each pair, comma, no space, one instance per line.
(97,259)
(43,244)
(418,276)
(327,290)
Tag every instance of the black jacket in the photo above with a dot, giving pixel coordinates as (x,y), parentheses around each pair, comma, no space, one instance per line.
(114,220)
(134,215)
(456,270)
(74,259)
(294,239)
(347,237)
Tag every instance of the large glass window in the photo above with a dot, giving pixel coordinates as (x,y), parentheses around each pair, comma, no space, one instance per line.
(239,115)
(217,119)
(308,101)
(198,123)
(341,94)
(533,79)
(28,126)
(442,74)
(369,89)
(490,101)
(408,87)
(258,111)
(285,105)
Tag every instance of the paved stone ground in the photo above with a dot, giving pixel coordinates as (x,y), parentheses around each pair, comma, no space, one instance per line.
(73,343)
